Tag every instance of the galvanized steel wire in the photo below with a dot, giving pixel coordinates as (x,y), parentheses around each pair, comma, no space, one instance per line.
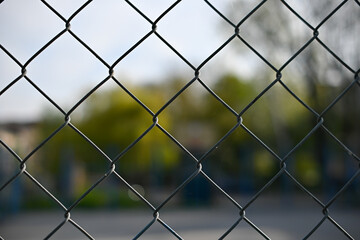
(198,161)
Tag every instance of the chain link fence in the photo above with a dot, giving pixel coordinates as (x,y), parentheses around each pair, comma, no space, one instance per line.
(198,162)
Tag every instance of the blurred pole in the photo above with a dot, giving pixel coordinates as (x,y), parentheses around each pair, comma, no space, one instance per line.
(66,173)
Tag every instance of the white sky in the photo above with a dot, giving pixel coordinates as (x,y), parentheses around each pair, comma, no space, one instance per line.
(66,70)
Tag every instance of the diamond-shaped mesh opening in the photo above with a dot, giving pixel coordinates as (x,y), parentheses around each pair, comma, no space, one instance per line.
(204,119)
(240,166)
(234,59)
(234,91)
(319,82)
(150,165)
(113,121)
(279,33)
(279,120)
(110,35)
(159,153)
(70,165)
(158,65)
(186,34)
(74,71)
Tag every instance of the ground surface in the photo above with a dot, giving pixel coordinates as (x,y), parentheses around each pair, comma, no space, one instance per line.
(190,223)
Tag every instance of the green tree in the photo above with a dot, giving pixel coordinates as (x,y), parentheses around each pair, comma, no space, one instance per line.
(113,121)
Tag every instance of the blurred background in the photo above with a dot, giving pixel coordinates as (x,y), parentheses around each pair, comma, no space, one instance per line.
(67,165)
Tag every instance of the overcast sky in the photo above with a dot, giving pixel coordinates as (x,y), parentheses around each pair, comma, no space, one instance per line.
(66,70)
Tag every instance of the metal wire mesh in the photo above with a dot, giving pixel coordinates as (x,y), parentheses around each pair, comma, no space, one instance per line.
(198,161)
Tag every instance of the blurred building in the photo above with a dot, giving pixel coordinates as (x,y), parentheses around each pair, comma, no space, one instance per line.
(20,138)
